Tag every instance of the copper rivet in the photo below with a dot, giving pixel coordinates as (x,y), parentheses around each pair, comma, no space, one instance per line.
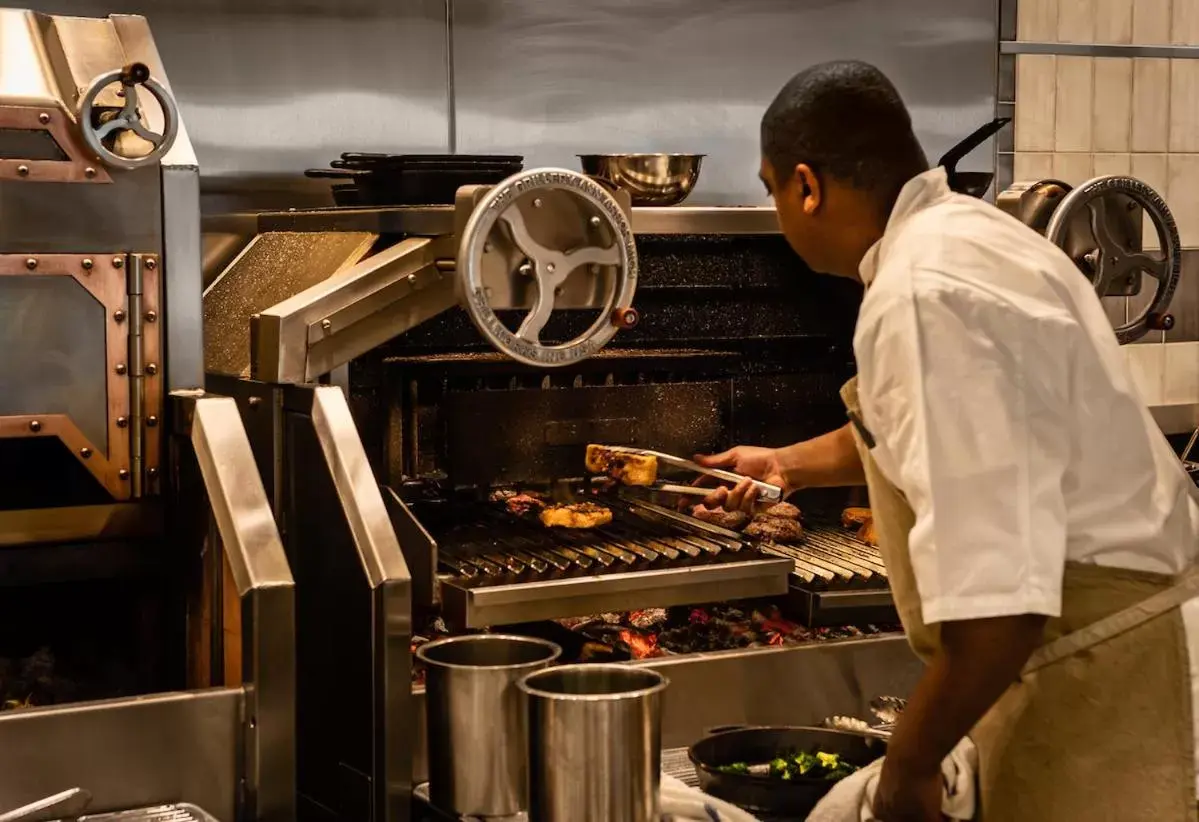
(151,263)
(151,421)
(35,426)
(151,369)
(22,171)
(255,402)
(89,172)
(537,203)
(85,452)
(119,315)
(118,262)
(151,472)
(151,316)
(87,263)
(43,118)
(326,325)
(122,422)
(120,368)
(31,263)
(123,474)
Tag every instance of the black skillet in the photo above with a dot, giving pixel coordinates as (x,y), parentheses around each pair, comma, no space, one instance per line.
(974,183)
(766,795)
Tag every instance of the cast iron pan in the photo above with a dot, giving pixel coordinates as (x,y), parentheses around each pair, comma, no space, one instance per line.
(974,183)
(765,795)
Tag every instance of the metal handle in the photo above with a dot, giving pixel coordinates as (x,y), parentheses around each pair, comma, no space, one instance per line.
(69,804)
(128,118)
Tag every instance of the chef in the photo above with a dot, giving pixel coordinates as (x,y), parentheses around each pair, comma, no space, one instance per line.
(1037,529)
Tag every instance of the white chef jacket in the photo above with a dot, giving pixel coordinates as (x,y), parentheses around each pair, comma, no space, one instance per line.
(1004,409)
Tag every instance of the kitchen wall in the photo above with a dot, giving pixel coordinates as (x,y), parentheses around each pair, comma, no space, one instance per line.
(271,87)
(1115,90)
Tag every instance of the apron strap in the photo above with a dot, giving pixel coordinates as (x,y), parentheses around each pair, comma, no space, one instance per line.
(1121,622)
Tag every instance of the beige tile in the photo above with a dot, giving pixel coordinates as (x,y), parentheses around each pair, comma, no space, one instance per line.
(1147,362)
(1151,21)
(1152,169)
(1184,23)
(1105,164)
(1076,21)
(1180,382)
(1072,111)
(1074,169)
(1184,105)
(1036,21)
(1029,166)
(1113,21)
(1150,104)
(1182,183)
(1036,84)
(1113,104)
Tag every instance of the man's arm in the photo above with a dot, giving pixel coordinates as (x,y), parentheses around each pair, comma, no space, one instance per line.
(979,660)
(828,461)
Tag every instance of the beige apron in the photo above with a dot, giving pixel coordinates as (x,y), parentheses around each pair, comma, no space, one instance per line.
(1099,725)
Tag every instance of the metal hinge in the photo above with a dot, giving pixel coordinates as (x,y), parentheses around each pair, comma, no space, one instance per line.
(144,373)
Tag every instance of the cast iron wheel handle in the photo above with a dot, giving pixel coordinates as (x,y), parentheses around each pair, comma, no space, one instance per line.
(128,118)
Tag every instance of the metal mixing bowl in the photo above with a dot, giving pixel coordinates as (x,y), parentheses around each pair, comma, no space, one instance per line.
(650,179)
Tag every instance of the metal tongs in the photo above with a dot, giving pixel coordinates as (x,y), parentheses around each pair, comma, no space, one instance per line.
(766,491)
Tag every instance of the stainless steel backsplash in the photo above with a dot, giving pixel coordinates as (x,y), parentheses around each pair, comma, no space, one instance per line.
(271,87)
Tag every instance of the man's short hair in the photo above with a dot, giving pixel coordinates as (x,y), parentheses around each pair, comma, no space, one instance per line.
(845,119)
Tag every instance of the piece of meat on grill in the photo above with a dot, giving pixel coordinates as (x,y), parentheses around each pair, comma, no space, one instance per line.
(855,517)
(774,529)
(782,509)
(576,515)
(626,468)
(732,520)
(518,503)
(867,533)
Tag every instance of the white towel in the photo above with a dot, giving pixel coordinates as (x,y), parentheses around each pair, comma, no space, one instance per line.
(852,799)
(683,804)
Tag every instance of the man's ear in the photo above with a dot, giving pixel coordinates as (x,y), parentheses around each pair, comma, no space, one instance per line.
(810,191)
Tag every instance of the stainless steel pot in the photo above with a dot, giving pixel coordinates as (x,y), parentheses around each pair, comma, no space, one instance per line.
(595,743)
(477,721)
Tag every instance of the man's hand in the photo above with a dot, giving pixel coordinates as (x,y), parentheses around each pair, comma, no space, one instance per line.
(828,461)
(914,799)
(754,462)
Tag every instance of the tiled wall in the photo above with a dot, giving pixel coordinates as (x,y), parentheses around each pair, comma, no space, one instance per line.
(1078,117)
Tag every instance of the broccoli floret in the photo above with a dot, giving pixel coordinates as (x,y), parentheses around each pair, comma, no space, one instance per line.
(779,767)
(828,760)
(736,767)
(804,763)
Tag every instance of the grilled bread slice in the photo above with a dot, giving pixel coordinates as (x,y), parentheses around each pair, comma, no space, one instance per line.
(626,468)
(576,515)
(855,517)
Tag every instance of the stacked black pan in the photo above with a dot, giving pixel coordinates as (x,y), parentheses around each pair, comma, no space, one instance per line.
(366,180)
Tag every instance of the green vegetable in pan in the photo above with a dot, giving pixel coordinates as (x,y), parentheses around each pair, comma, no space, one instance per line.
(814,765)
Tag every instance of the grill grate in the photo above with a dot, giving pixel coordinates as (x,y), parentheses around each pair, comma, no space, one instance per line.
(482,542)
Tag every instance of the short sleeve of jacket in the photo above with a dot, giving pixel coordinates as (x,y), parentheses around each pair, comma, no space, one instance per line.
(965,396)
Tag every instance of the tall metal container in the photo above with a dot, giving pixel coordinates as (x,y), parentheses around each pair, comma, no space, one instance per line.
(477,721)
(595,743)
